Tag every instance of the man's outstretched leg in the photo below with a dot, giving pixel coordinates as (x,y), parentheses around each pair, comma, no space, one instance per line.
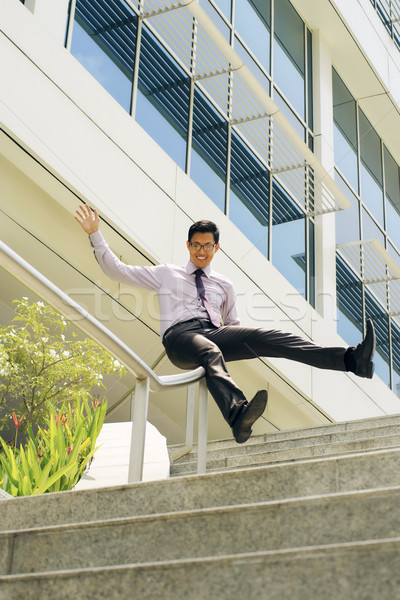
(238,343)
(358,360)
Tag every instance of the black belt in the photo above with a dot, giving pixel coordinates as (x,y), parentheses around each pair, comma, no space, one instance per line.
(202,322)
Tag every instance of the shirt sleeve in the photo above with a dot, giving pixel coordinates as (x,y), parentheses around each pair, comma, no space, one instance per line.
(229,310)
(140,276)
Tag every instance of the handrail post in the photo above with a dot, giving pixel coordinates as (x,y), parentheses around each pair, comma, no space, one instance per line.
(202,433)
(139,421)
(191,391)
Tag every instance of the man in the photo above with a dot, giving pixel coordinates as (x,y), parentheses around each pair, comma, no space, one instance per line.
(199,324)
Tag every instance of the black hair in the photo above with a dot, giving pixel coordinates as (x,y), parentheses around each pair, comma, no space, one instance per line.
(203,227)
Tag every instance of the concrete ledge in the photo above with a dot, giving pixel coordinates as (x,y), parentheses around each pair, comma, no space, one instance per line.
(110,465)
(4,495)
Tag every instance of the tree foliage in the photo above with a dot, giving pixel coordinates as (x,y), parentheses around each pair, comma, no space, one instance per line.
(43,364)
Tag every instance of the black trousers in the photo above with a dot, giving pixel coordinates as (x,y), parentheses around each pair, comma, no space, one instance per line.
(198,343)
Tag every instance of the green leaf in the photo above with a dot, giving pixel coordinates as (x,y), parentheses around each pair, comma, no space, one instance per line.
(44,485)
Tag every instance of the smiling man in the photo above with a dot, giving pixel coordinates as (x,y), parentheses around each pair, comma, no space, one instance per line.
(199,323)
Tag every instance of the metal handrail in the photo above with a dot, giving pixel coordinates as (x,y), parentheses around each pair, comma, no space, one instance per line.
(146,378)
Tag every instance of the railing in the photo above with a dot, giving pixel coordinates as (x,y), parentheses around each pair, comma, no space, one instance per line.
(146,378)
(389,13)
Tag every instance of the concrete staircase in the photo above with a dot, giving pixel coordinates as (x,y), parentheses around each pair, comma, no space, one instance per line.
(307,514)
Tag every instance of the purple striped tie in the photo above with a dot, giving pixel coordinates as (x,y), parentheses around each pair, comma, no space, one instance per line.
(204,300)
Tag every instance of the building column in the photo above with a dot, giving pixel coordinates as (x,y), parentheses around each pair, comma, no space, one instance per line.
(325,235)
(52,14)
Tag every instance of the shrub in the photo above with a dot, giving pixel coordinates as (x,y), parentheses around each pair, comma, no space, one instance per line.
(40,369)
(55,458)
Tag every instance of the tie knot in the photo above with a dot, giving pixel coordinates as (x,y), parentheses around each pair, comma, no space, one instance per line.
(199,272)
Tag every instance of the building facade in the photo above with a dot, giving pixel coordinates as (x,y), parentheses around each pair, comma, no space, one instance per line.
(278,120)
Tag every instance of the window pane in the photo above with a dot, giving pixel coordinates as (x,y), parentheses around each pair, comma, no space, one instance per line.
(371,168)
(253,66)
(288,238)
(162,106)
(392,183)
(225,6)
(349,303)
(216,18)
(310,81)
(345,131)
(380,318)
(289,114)
(209,149)
(347,226)
(252,22)
(289,54)
(104,40)
(249,194)
(395,254)
(370,229)
(311,265)
(396,357)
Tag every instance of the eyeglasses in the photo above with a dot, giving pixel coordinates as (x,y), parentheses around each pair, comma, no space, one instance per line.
(206,247)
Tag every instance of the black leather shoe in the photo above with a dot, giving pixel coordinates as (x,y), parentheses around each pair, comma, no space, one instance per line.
(250,413)
(361,357)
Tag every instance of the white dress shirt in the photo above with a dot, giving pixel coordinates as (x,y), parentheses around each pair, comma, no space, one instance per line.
(175,286)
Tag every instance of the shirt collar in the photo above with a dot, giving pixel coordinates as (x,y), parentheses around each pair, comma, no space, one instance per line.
(191,268)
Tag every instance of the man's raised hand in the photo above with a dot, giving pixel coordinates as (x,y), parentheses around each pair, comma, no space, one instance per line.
(87,218)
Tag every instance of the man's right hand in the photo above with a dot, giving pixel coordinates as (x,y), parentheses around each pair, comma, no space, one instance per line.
(87,218)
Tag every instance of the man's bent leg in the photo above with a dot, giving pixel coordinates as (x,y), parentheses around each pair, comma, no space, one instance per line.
(188,349)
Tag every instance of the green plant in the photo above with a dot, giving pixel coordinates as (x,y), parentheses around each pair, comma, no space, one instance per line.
(40,368)
(55,458)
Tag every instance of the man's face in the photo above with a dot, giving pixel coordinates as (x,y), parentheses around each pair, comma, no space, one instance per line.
(201,257)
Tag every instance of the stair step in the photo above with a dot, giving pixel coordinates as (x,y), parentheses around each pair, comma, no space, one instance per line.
(355,570)
(309,513)
(276,525)
(218,451)
(296,453)
(300,432)
(325,475)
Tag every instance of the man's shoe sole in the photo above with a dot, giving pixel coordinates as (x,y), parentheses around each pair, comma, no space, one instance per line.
(253,412)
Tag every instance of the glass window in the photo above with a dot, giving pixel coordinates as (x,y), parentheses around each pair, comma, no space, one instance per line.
(209,149)
(345,131)
(104,40)
(288,238)
(253,66)
(310,81)
(252,22)
(347,224)
(225,7)
(162,106)
(371,168)
(370,230)
(394,253)
(249,194)
(311,263)
(396,357)
(216,18)
(289,114)
(380,318)
(392,191)
(289,55)
(349,303)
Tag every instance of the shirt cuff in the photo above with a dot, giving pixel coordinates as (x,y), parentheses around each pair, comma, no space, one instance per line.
(96,237)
